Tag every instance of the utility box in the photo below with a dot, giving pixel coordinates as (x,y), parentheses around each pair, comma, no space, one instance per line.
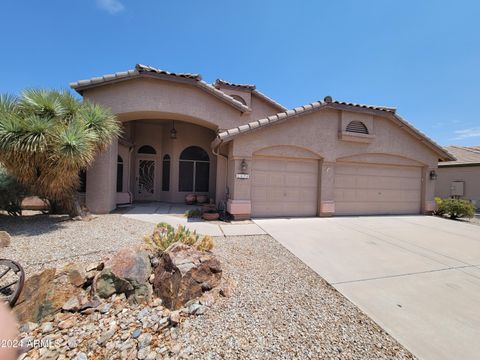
(457,188)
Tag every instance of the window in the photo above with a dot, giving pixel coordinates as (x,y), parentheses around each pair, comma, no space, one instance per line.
(357,127)
(194,170)
(166,173)
(239,98)
(83,181)
(119,174)
(147,149)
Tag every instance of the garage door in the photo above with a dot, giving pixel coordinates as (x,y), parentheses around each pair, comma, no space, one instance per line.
(284,187)
(363,189)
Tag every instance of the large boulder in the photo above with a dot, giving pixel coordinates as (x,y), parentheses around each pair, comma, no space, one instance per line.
(46,293)
(126,272)
(184,273)
(4,239)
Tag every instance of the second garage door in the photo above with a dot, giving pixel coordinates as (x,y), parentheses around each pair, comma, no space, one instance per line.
(366,189)
(284,187)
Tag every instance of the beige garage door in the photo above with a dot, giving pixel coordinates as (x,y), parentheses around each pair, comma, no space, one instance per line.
(284,187)
(363,189)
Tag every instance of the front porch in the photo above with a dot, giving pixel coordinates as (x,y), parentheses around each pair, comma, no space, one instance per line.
(174,214)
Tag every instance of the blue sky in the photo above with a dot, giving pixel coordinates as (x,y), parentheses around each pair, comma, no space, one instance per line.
(421,56)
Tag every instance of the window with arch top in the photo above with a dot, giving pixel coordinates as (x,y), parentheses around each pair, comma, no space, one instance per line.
(357,127)
(194,170)
(147,149)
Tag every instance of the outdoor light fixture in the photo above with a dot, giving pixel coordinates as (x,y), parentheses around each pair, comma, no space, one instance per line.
(243,166)
(433,175)
(173,132)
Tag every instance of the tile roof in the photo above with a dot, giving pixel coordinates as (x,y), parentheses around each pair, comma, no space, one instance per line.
(249,87)
(220,82)
(466,155)
(329,103)
(144,70)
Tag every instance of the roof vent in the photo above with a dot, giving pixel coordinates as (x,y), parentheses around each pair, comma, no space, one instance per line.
(327,99)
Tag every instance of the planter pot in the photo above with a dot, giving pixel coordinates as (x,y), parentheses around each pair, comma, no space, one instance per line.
(190,199)
(202,199)
(208,207)
(211,216)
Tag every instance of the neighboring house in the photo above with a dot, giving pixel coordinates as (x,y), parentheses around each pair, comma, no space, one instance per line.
(460,178)
(234,144)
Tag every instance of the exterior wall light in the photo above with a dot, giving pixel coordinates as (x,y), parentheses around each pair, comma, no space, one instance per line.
(173,132)
(433,175)
(243,166)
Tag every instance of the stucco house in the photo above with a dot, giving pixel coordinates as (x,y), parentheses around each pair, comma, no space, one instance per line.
(238,146)
(460,178)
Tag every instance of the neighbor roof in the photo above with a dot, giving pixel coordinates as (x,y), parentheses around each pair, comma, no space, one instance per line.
(148,71)
(466,156)
(329,103)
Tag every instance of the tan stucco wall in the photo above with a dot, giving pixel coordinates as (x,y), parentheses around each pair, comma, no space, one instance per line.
(318,132)
(470,175)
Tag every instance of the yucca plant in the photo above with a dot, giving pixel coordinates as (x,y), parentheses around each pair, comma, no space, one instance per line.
(47,137)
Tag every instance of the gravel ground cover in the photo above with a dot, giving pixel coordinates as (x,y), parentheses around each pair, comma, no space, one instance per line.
(280,309)
(41,241)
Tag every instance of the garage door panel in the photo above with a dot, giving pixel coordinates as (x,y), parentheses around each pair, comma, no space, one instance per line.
(377,189)
(284,187)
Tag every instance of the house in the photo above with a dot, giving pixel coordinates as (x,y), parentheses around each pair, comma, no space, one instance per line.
(460,178)
(239,147)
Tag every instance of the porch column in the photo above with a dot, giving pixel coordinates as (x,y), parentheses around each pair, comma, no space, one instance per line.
(102,181)
(327,189)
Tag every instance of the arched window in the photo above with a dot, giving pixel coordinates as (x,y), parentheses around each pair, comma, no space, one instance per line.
(147,149)
(357,127)
(166,173)
(239,98)
(194,170)
(119,174)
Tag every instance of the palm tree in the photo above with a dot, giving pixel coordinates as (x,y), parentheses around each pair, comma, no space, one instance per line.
(47,137)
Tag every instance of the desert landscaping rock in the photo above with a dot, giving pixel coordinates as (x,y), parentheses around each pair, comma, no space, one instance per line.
(184,274)
(5,239)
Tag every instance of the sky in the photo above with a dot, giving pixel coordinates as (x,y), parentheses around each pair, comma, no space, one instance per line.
(422,57)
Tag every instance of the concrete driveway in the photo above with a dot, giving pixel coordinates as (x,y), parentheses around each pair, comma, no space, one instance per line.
(417,276)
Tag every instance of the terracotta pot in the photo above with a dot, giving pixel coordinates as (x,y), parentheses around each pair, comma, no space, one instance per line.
(190,199)
(208,207)
(211,216)
(202,199)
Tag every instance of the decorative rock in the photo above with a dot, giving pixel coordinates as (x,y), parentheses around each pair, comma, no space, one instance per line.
(143,353)
(5,239)
(106,335)
(81,356)
(174,318)
(44,294)
(192,309)
(183,273)
(27,327)
(104,308)
(66,324)
(47,327)
(126,272)
(144,340)
(136,333)
(72,304)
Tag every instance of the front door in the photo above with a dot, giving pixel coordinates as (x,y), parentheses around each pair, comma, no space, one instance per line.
(145,179)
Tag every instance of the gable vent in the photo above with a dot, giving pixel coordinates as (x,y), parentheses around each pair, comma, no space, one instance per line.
(357,127)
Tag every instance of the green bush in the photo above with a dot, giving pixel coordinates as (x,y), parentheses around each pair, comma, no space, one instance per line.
(193,213)
(11,193)
(455,208)
(165,235)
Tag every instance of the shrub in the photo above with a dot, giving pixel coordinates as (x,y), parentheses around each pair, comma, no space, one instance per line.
(193,213)
(455,208)
(11,193)
(165,235)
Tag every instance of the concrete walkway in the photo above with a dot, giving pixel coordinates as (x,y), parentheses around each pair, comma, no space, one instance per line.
(418,277)
(173,214)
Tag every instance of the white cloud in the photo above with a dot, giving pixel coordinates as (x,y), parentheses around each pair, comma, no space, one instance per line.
(467,133)
(112,6)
